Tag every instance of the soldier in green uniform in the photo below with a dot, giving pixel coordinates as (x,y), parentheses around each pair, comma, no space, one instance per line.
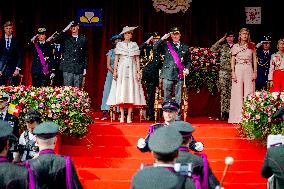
(223,46)
(200,163)
(274,165)
(164,144)
(150,58)
(51,170)
(176,62)
(11,176)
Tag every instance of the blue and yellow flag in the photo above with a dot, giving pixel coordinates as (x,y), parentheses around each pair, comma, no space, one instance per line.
(90,17)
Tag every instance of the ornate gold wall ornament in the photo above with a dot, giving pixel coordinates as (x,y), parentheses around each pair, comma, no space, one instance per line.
(172,6)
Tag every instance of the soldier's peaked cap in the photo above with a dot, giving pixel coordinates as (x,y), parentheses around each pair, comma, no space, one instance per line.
(46,130)
(165,140)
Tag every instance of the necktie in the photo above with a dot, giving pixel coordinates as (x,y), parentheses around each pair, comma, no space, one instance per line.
(8,42)
(176,45)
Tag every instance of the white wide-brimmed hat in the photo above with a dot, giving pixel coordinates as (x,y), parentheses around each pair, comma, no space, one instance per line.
(127,29)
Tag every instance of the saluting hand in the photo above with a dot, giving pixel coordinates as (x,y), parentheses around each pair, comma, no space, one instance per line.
(223,38)
(166,36)
(16,72)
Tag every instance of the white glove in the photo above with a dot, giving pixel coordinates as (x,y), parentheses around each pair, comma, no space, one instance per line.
(68,27)
(259,44)
(51,37)
(148,40)
(199,146)
(34,37)
(85,72)
(219,187)
(166,36)
(141,143)
(52,75)
(186,71)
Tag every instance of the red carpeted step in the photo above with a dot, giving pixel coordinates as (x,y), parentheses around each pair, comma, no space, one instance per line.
(114,184)
(209,142)
(132,151)
(215,164)
(103,184)
(127,173)
(141,130)
(107,156)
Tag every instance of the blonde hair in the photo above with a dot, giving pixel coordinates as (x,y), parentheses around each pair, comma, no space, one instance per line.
(280,40)
(239,38)
(8,23)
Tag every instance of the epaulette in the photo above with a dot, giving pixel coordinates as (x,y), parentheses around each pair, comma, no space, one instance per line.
(155,126)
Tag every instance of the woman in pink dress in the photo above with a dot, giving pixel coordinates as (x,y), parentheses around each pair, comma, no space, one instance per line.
(244,73)
(126,89)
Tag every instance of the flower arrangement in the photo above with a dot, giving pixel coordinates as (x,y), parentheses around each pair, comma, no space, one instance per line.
(257,116)
(67,106)
(204,68)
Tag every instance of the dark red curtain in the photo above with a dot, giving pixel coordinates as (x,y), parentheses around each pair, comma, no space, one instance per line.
(203,23)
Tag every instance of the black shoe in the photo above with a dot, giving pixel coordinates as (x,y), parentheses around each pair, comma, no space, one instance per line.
(225,116)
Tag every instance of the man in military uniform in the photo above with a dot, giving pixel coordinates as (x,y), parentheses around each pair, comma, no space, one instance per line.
(223,47)
(176,62)
(150,58)
(264,56)
(6,116)
(75,55)
(164,144)
(43,62)
(11,176)
(49,167)
(200,162)
(10,57)
(170,112)
(273,165)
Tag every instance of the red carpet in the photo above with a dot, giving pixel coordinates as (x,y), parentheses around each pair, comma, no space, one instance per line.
(108,158)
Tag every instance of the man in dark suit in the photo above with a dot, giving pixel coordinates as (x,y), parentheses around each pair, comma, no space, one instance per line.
(11,175)
(151,63)
(74,62)
(6,116)
(176,62)
(10,57)
(43,62)
(51,170)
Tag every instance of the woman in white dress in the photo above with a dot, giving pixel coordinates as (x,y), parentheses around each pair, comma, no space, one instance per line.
(126,89)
